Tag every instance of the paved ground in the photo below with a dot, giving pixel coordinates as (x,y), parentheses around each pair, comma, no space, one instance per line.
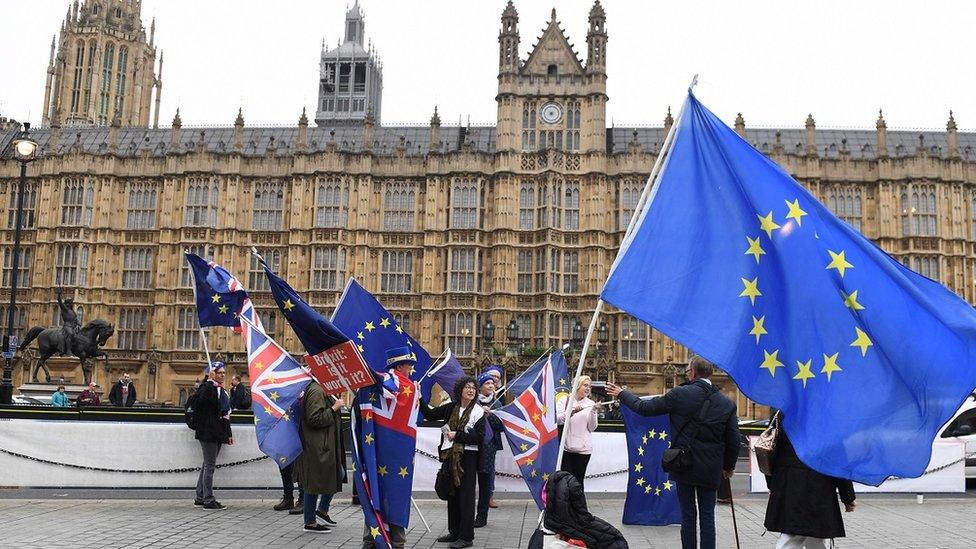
(53,518)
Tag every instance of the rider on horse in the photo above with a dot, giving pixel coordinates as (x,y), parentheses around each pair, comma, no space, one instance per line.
(69,321)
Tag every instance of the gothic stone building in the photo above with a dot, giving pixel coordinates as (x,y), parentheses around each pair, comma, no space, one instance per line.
(451,227)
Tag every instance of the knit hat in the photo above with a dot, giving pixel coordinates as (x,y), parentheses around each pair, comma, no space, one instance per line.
(493,367)
(484,378)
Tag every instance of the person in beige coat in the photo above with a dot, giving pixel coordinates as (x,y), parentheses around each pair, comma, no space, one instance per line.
(320,469)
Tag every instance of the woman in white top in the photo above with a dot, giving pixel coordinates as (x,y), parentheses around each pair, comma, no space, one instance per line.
(582,422)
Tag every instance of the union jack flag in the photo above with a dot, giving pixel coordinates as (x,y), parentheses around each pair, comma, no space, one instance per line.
(531,428)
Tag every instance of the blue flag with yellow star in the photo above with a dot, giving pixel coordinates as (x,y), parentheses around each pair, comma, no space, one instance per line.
(652,498)
(366,468)
(736,260)
(219,295)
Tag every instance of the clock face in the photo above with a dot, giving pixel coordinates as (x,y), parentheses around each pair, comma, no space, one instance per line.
(551,113)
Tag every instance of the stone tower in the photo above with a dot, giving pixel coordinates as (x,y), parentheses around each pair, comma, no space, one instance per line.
(351,77)
(551,100)
(103,68)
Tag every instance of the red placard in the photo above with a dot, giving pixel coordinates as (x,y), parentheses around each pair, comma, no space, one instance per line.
(339,368)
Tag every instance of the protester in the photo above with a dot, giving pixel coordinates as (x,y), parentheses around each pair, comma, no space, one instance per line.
(320,469)
(579,435)
(461,443)
(713,443)
(59,399)
(123,392)
(802,502)
(492,444)
(212,412)
(89,397)
(288,501)
(240,396)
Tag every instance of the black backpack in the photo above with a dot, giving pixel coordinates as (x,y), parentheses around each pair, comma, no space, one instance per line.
(189,417)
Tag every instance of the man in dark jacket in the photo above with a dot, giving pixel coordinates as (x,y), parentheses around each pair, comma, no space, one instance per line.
(240,396)
(123,392)
(714,443)
(212,414)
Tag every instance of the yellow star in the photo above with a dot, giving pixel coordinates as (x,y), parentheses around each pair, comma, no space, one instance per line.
(222,309)
(640,481)
(406,390)
(385,322)
(525,430)
(837,261)
(830,365)
(272,379)
(795,211)
(562,381)
(751,289)
(804,374)
(381,470)
(758,329)
(274,396)
(285,416)
(536,416)
(667,485)
(361,349)
(638,467)
(754,248)
(215,298)
(399,329)
(529,461)
(652,433)
(640,450)
(267,409)
(767,224)
(771,362)
(259,365)
(647,489)
(545,476)
(360,336)
(370,327)
(288,305)
(644,439)
(524,446)
(657,491)
(372,397)
(368,416)
(534,473)
(374,531)
(662,435)
(862,341)
(403,472)
(369,438)
(850,301)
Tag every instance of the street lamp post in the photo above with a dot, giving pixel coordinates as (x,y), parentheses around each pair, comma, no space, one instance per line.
(25,151)
(488,333)
(512,332)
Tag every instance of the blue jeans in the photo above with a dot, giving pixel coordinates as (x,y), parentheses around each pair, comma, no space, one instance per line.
(308,505)
(690,515)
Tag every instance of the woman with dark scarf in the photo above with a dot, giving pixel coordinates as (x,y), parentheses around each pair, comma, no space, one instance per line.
(461,441)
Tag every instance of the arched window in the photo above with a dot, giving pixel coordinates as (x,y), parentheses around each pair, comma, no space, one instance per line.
(77,201)
(399,206)
(459,330)
(108,63)
(845,203)
(202,196)
(464,204)
(267,214)
(630,192)
(120,78)
(79,73)
(396,272)
(328,268)
(137,268)
(256,279)
(462,270)
(633,339)
(571,206)
(527,206)
(331,204)
(187,329)
(919,213)
(141,214)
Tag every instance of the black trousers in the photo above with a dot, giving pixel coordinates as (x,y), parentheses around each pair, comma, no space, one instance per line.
(460,508)
(287,484)
(575,464)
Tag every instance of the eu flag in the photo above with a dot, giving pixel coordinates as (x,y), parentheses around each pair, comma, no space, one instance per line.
(219,295)
(652,498)
(736,260)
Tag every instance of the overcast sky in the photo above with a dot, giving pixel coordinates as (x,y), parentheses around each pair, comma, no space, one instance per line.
(773,61)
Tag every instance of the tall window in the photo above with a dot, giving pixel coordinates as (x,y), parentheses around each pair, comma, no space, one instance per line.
(142,207)
(24,263)
(202,197)
(403,321)
(137,269)
(845,203)
(462,269)
(20,319)
(206,252)
(570,272)
(133,328)
(525,272)
(120,78)
(108,61)
(918,211)
(89,71)
(396,273)
(268,208)
(555,270)
(77,200)
(633,339)
(573,126)
(71,265)
(527,206)
(460,333)
(399,206)
(550,204)
(630,192)
(464,205)
(331,204)
(571,206)
(79,68)
(328,268)
(187,329)
(29,204)
(927,266)
(257,281)
(269,320)
(528,126)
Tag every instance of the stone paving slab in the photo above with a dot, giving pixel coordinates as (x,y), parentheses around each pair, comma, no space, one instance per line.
(944,522)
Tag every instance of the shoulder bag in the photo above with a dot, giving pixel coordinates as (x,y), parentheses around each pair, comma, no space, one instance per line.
(677,459)
(765,447)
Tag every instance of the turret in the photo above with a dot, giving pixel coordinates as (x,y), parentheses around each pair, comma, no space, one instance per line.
(596,40)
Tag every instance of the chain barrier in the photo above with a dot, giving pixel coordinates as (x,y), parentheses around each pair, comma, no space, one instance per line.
(134,471)
(941,467)
(512,475)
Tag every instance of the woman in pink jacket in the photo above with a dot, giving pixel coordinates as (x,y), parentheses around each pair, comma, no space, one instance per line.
(578,431)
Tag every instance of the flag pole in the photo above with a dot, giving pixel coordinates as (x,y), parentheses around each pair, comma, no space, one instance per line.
(203,335)
(642,204)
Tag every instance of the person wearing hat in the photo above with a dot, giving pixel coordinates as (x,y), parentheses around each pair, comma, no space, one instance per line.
(212,411)
(487,385)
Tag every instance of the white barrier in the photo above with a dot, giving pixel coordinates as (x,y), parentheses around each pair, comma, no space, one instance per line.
(951,479)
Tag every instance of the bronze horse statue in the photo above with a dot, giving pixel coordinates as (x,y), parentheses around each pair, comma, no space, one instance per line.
(85,344)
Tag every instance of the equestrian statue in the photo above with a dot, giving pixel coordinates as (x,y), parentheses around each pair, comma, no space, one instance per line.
(69,340)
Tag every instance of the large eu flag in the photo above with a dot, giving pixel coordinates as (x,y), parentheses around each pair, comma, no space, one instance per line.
(219,295)
(736,260)
(652,498)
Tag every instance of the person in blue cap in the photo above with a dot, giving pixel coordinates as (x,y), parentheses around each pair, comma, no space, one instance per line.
(487,385)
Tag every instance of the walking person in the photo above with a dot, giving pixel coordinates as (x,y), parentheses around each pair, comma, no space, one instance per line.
(802,502)
(703,420)
(212,412)
(320,469)
(461,444)
(579,434)
(492,444)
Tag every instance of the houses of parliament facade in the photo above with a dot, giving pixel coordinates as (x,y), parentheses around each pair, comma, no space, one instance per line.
(494,240)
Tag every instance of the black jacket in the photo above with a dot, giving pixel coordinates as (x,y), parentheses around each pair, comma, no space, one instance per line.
(211,427)
(716,445)
(240,397)
(803,502)
(443,413)
(115,395)
(567,514)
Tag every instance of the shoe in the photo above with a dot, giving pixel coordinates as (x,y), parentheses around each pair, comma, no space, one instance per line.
(492,503)
(285,504)
(317,528)
(298,509)
(724,501)
(447,538)
(325,518)
(198,502)
(480,522)
(461,543)
(214,505)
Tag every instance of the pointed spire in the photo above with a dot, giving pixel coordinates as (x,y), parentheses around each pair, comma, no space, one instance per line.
(881,125)
(951,137)
(951,125)
(811,127)
(303,120)
(174,132)
(668,120)
(597,10)
(882,137)
(152,32)
(740,125)
(51,61)
(177,121)
(553,20)
(239,130)
(510,10)
(302,142)
(436,119)
(239,121)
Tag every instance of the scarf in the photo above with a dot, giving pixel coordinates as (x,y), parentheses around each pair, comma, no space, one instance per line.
(457,423)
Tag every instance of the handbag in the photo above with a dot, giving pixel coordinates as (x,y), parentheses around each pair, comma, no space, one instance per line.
(678,459)
(765,447)
(444,482)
